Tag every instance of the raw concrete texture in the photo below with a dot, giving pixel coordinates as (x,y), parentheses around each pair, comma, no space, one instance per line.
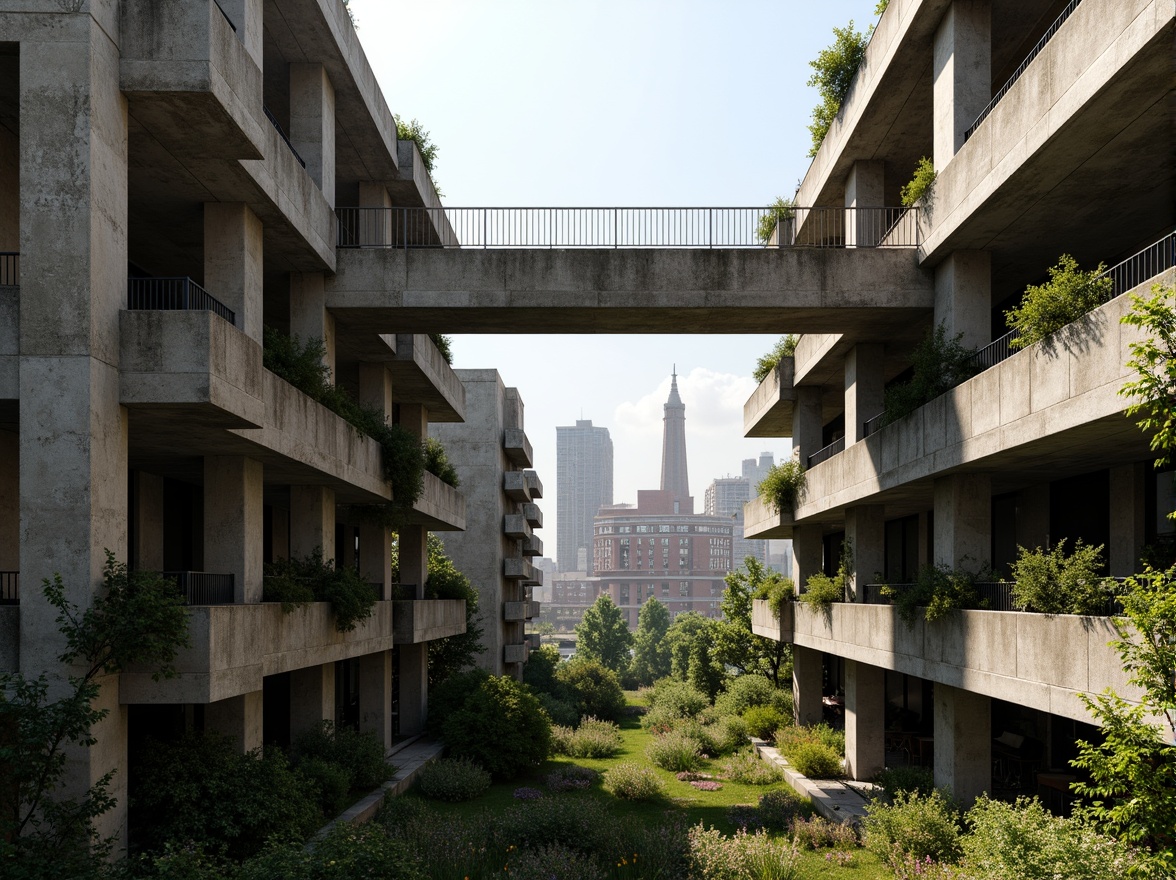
(234,522)
(865,720)
(760,521)
(764,621)
(424,620)
(961,73)
(239,718)
(233,264)
(312,123)
(963,743)
(768,412)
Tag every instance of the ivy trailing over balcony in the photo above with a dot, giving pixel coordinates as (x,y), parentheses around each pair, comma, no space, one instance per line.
(782,487)
(298,582)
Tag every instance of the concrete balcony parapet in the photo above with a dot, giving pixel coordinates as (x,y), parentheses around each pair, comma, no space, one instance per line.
(533,610)
(514,485)
(235,646)
(441,507)
(767,623)
(514,611)
(532,545)
(518,569)
(534,515)
(768,412)
(421,375)
(517,447)
(9,638)
(760,521)
(516,653)
(534,485)
(515,526)
(424,620)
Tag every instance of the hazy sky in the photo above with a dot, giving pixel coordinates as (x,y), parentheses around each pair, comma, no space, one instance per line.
(623,103)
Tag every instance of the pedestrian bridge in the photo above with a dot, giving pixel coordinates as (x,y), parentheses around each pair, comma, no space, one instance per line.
(629,270)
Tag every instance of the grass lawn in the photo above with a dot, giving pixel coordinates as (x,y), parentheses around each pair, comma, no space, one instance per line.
(708,807)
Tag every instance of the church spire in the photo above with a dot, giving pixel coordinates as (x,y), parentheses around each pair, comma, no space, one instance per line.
(674,477)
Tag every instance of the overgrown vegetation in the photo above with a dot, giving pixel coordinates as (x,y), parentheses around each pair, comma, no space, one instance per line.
(1153,360)
(1069,294)
(938,364)
(603,634)
(1054,582)
(834,69)
(415,132)
(821,590)
(456,653)
(785,347)
(297,582)
(495,722)
(938,590)
(914,825)
(444,345)
(453,779)
(780,211)
(815,751)
(920,184)
(782,488)
(735,645)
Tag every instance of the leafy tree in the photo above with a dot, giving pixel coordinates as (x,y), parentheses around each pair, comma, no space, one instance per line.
(651,654)
(137,619)
(1154,362)
(691,640)
(938,364)
(604,635)
(735,644)
(1069,294)
(785,347)
(834,69)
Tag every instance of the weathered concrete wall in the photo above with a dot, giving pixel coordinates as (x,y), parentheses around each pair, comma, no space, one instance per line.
(420,375)
(768,412)
(440,507)
(761,522)
(424,620)
(9,638)
(765,622)
(235,646)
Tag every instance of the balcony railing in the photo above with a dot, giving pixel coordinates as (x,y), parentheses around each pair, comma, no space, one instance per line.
(1023,66)
(626,227)
(203,588)
(281,132)
(828,452)
(174,294)
(871,426)
(9,269)
(994,596)
(9,587)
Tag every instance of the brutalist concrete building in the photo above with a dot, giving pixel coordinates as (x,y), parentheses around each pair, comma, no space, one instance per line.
(169,174)
(1050,127)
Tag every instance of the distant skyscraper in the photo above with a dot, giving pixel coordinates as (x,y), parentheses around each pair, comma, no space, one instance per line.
(583,484)
(674,478)
(726,497)
(755,471)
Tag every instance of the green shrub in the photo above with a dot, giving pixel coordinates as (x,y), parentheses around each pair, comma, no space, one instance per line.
(632,782)
(745,691)
(676,697)
(758,856)
(938,590)
(1069,294)
(592,688)
(500,726)
(347,851)
(816,832)
(453,779)
(778,808)
(595,739)
(674,751)
(818,733)
(834,69)
(1051,582)
(764,721)
(559,711)
(330,782)
(729,734)
(444,345)
(815,760)
(571,777)
(746,768)
(358,753)
(552,860)
(893,780)
(451,695)
(938,364)
(920,184)
(821,590)
(294,582)
(782,487)
(780,210)
(539,671)
(437,463)
(415,132)
(926,827)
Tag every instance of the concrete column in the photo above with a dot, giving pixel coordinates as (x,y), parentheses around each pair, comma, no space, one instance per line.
(9,501)
(238,718)
(148,525)
(312,697)
(963,297)
(312,123)
(963,743)
(1033,516)
(963,520)
(865,719)
(806,685)
(865,530)
(312,521)
(309,318)
(375,695)
(414,418)
(807,553)
(864,388)
(375,541)
(414,557)
(864,189)
(961,72)
(1128,518)
(233,262)
(806,423)
(234,522)
(414,688)
(246,16)
(73,472)
(375,227)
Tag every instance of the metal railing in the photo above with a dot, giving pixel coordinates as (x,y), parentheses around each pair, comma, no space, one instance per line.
(174,294)
(282,133)
(828,452)
(9,587)
(871,426)
(626,227)
(1135,270)
(1021,68)
(203,588)
(9,269)
(993,596)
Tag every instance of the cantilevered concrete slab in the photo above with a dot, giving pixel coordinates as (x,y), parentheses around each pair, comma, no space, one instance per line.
(640,290)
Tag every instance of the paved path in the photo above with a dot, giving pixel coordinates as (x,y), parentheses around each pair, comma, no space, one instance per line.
(832,799)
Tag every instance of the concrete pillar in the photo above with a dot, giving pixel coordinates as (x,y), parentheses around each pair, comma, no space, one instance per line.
(148,524)
(414,557)
(1128,518)
(864,388)
(864,190)
(312,521)
(312,123)
(963,521)
(806,685)
(375,226)
(309,318)
(806,423)
(414,688)
(9,501)
(233,262)
(375,541)
(375,388)
(865,719)
(312,697)
(238,718)
(246,16)
(234,522)
(807,553)
(963,297)
(963,743)
(1033,516)
(865,530)
(73,472)
(375,695)
(961,72)
(414,418)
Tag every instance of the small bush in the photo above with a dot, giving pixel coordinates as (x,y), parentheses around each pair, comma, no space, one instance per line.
(758,856)
(938,590)
(834,70)
(347,851)
(1069,294)
(745,691)
(358,753)
(788,737)
(778,808)
(920,184)
(437,463)
(593,688)
(676,697)
(764,721)
(819,833)
(781,489)
(815,760)
(729,734)
(923,827)
(674,751)
(1051,582)
(786,345)
(295,582)
(451,695)
(821,591)
(893,780)
(592,739)
(559,711)
(330,781)
(552,861)
(444,346)
(453,780)
(746,768)
(632,782)
(938,364)
(501,726)
(571,777)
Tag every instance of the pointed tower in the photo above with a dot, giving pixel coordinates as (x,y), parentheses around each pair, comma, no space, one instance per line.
(673,476)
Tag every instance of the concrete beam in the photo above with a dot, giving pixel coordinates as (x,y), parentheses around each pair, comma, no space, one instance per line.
(239,718)
(806,685)
(963,297)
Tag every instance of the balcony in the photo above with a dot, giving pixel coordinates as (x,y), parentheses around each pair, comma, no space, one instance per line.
(420,375)
(534,486)
(515,653)
(514,485)
(768,412)
(761,522)
(827,452)
(767,623)
(174,294)
(440,507)
(514,611)
(517,447)
(533,610)
(517,569)
(993,596)
(532,546)
(425,620)
(204,588)
(514,525)
(533,515)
